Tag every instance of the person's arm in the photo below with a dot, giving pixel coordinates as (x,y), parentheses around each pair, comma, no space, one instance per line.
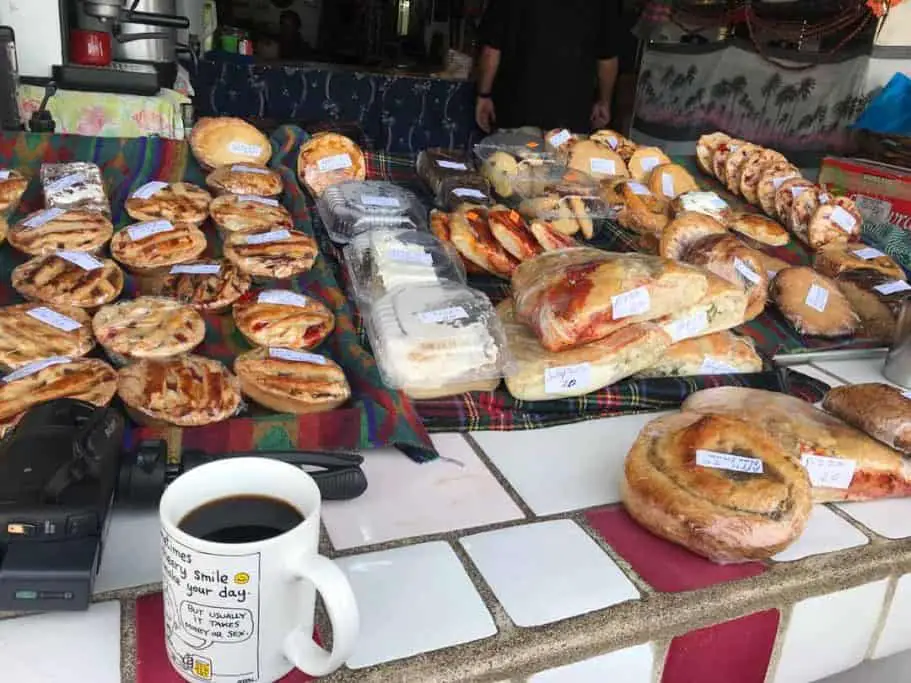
(608,63)
(493,33)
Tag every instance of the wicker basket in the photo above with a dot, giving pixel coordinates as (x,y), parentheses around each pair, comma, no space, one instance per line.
(887,148)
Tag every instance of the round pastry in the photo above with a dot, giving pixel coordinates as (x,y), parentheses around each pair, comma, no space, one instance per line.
(734,163)
(291,381)
(719,486)
(771,179)
(248,213)
(671,181)
(12,186)
(705,150)
(208,285)
(223,140)
(684,231)
(70,278)
(763,230)
(835,220)
(85,379)
(147,327)
(836,258)
(645,160)
(642,211)
(45,232)
(277,317)
(187,391)
(500,169)
(813,303)
(731,259)
(752,170)
(146,248)
(278,254)
(613,140)
(597,161)
(803,209)
(708,203)
(720,158)
(175,202)
(244,179)
(785,195)
(328,159)
(30,332)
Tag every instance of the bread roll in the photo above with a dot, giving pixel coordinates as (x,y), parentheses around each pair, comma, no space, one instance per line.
(879,471)
(834,259)
(763,230)
(720,158)
(597,161)
(613,140)
(803,209)
(642,211)
(877,301)
(734,163)
(670,181)
(718,486)
(471,236)
(500,169)
(567,214)
(837,221)
(705,150)
(645,160)
(728,257)
(812,303)
(723,307)
(879,410)
(785,195)
(773,176)
(684,231)
(708,203)
(721,353)
(752,170)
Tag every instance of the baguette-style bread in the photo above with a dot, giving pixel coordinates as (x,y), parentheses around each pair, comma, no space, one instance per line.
(763,230)
(813,303)
(645,160)
(728,257)
(721,353)
(685,230)
(878,471)
(718,486)
(879,410)
(835,259)
(705,150)
(723,307)
(877,301)
(670,181)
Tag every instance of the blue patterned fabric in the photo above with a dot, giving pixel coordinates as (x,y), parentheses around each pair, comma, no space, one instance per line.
(399,114)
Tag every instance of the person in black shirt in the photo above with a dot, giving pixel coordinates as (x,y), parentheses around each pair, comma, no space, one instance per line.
(538,63)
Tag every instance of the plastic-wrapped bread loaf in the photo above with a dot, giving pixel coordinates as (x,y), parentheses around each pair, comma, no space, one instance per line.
(813,303)
(723,307)
(835,259)
(721,353)
(880,410)
(876,299)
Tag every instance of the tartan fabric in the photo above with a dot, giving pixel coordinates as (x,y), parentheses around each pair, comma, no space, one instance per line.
(376,417)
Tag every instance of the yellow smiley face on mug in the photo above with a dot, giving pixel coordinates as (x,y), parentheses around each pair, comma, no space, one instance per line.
(241,578)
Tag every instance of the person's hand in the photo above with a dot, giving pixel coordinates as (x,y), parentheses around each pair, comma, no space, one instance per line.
(484,114)
(601,114)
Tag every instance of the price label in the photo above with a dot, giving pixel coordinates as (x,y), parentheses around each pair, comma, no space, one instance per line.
(65,182)
(245,149)
(797,191)
(772,274)
(606,166)
(561,138)
(638,188)
(691,326)
(43,218)
(781,180)
(54,319)
(373,200)
(574,378)
(634,302)
(748,273)
(282,297)
(713,366)
(37,366)
(241,168)
(268,237)
(334,163)
(907,395)
(843,219)
(143,230)
(893,287)
(715,202)
(259,200)
(868,253)
(443,315)
(667,185)
(297,356)
(149,190)
(452,165)
(613,142)
(728,461)
(4,174)
(81,259)
(825,198)
(196,269)
(830,473)
(469,192)
(405,255)
(817,298)
(649,163)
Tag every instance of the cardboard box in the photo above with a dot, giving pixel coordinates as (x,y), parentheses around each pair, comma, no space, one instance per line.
(882,192)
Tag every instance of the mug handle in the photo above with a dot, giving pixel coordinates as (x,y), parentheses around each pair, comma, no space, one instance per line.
(338,597)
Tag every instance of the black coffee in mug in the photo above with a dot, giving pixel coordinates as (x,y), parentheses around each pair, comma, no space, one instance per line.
(241,519)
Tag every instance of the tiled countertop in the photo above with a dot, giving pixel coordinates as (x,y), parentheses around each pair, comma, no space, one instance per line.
(511,559)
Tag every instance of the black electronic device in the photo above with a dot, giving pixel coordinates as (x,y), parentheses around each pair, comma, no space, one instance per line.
(58,471)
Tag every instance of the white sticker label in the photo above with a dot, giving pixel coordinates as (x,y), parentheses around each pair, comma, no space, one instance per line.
(817,298)
(907,395)
(37,366)
(259,200)
(143,230)
(43,218)
(713,366)
(268,237)
(873,210)
(560,138)
(4,174)
(893,287)
(741,267)
(443,315)
(843,219)
(81,259)
(334,163)
(573,378)
(716,202)
(728,461)
(245,149)
(639,189)
(781,180)
(149,190)
(452,165)
(241,168)
(868,253)
(797,191)
(772,274)
(373,200)
(469,192)
(196,269)
(54,319)
(406,255)
(211,611)
(825,198)
(606,166)
(65,182)
(297,356)
(649,163)
(634,302)
(282,297)
(612,141)
(830,473)
(691,326)
(667,185)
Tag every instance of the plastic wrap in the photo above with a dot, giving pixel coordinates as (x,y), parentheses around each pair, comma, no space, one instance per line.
(520,143)
(467,189)
(86,379)
(721,353)
(723,307)
(437,165)
(208,285)
(74,185)
(69,278)
(549,192)
(708,203)
(813,303)
(350,208)
(279,317)
(12,186)
(879,410)
(30,332)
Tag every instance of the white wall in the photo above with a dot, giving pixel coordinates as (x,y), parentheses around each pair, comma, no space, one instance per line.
(896,26)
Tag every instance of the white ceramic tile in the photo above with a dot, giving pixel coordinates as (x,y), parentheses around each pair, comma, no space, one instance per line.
(131,555)
(830,633)
(896,633)
(567,467)
(412,600)
(888,518)
(826,532)
(632,665)
(63,647)
(856,371)
(405,499)
(548,571)
(891,670)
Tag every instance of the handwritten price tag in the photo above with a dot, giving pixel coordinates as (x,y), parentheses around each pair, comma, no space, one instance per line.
(43,218)
(334,163)
(197,269)
(649,163)
(868,253)
(54,319)
(469,192)
(37,366)
(817,298)
(297,356)
(667,185)
(143,230)
(638,188)
(268,237)
(245,149)
(560,138)
(443,315)
(688,327)
(741,267)
(727,461)
(574,378)
(149,190)
(606,166)
(81,259)
(266,201)
(830,473)
(282,297)
(893,287)
(843,219)
(634,302)
(375,200)
(452,165)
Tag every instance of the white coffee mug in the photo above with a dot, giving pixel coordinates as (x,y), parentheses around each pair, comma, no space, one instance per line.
(244,612)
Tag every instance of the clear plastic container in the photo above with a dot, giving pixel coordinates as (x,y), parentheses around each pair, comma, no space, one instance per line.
(550,191)
(381,260)
(438,340)
(520,143)
(350,208)
(467,189)
(434,166)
